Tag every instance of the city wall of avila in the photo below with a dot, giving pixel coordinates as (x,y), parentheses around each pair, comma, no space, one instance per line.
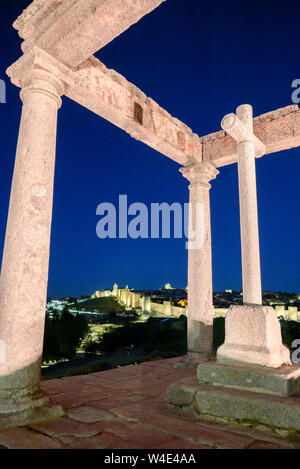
(148,304)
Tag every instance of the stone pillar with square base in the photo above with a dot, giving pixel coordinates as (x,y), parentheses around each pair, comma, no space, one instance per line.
(252,382)
(252,331)
(23,283)
(200,294)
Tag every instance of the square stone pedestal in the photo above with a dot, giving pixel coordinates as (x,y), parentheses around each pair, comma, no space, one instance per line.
(253,337)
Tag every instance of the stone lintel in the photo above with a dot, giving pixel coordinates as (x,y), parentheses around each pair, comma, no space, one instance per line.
(283,381)
(38,59)
(111,96)
(73,30)
(278,130)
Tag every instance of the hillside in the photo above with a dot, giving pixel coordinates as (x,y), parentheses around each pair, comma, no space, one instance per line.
(102,305)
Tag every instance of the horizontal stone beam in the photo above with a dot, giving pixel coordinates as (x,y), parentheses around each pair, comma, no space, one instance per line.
(278,130)
(112,97)
(73,30)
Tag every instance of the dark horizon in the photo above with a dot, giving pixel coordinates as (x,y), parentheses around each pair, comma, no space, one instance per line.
(199,62)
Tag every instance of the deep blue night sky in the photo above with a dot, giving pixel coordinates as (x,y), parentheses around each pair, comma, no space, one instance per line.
(199,60)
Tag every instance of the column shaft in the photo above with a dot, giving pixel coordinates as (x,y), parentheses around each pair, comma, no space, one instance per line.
(253,333)
(200,294)
(249,224)
(24,274)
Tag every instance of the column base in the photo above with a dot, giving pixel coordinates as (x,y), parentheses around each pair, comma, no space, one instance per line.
(199,340)
(253,337)
(27,406)
(192,360)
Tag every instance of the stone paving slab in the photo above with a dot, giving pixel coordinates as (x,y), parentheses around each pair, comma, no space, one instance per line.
(126,408)
(25,438)
(89,414)
(155,417)
(101,441)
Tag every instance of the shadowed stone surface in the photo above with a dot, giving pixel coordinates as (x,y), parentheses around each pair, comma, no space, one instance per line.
(275,411)
(182,396)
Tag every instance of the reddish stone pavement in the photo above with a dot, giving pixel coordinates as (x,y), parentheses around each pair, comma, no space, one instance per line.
(126,408)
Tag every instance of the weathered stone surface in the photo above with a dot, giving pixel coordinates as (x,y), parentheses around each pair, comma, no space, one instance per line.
(182,396)
(278,130)
(240,127)
(36,412)
(234,125)
(102,441)
(158,426)
(26,250)
(284,381)
(112,97)
(200,303)
(155,414)
(269,410)
(266,445)
(64,429)
(24,438)
(178,443)
(89,414)
(192,359)
(253,336)
(142,436)
(73,30)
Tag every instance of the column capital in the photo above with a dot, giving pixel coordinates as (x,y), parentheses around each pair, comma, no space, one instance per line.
(240,127)
(38,71)
(200,173)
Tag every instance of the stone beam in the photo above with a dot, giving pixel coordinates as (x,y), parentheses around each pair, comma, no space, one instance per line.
(278,130)
(112,97)
(73,30)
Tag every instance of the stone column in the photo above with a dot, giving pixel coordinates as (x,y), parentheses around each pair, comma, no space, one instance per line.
(200,293)
(252,331)
(24,273)
(243,131)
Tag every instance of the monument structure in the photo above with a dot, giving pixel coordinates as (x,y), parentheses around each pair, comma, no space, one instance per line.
(60,39)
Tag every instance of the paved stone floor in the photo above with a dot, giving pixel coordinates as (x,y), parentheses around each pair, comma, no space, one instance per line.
(126,408)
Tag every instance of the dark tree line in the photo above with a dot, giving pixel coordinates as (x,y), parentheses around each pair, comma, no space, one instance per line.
(63,335)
